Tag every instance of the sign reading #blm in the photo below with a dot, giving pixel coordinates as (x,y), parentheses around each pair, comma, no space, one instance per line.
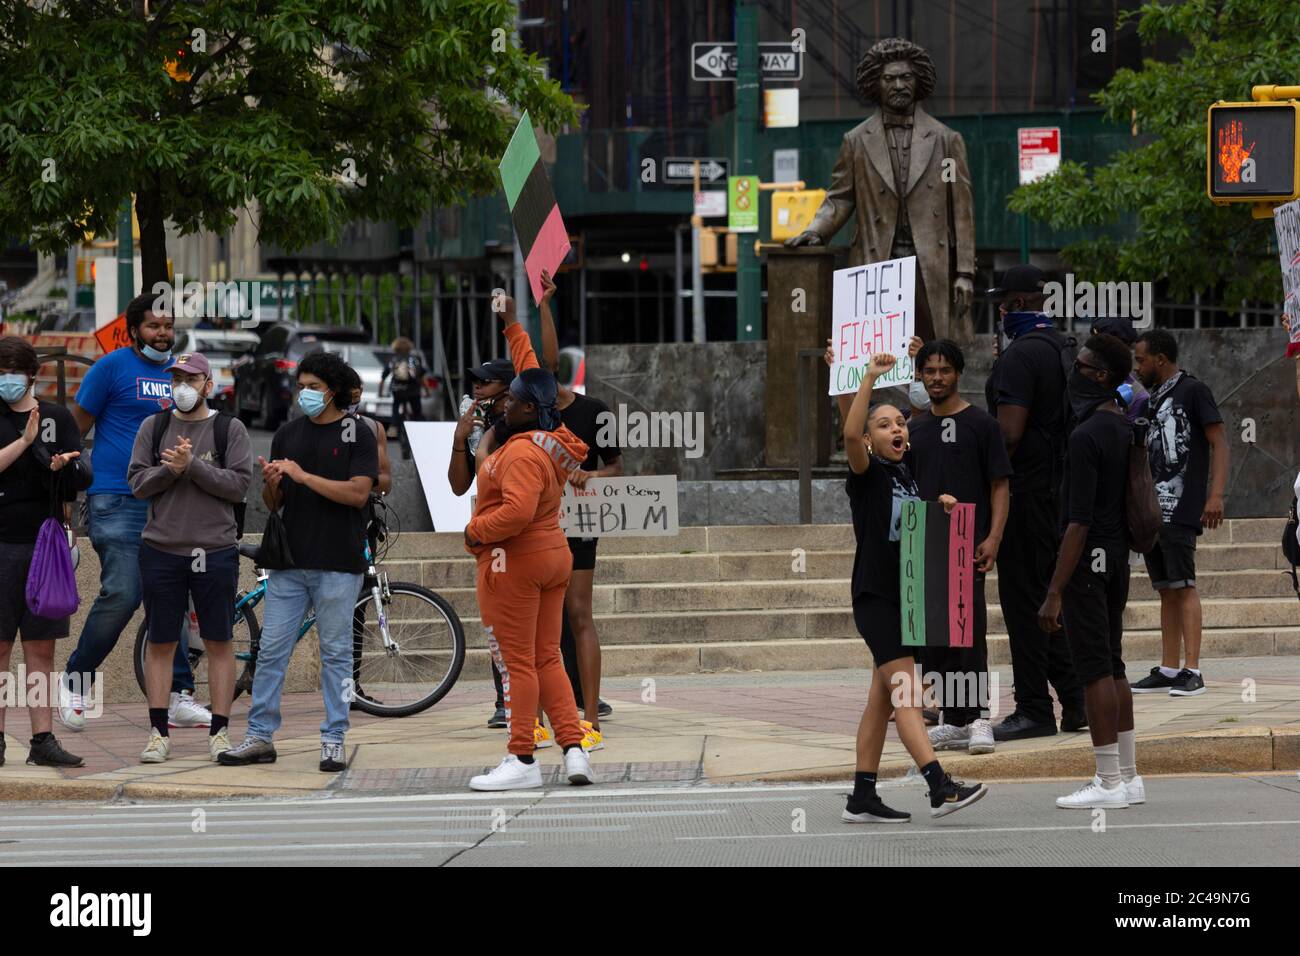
(620,508)
(872,311)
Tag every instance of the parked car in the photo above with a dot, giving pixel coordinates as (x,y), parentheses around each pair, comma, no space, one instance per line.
(222,348)
(432,403)
(265,380)
(573,370)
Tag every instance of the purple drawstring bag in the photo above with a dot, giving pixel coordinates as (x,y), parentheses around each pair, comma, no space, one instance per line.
(51,582)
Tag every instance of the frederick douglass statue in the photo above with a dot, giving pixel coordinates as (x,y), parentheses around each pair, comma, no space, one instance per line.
(903,175)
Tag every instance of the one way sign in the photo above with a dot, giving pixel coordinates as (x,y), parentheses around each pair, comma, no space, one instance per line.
(716,62)
(681,171)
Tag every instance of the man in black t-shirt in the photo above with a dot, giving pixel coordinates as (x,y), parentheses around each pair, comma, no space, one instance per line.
(1089,585)
(957,450)
(1188,455)
(322,469)
(1025,392)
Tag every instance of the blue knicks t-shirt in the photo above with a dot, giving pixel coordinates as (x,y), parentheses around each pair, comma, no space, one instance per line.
(121,390)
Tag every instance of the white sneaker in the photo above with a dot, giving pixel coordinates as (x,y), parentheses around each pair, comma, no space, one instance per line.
(218,744)
(184,711)
(577,767)
(948,737)
(510,774)
(981,737)
(1135,790)
(1092,795)
(72,708)
(159,748)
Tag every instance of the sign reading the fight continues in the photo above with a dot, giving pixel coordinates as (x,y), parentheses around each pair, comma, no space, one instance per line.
(1251,152)
(937,575)
(620,508)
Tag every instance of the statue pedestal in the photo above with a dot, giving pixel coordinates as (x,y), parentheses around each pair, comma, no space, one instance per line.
(788,270)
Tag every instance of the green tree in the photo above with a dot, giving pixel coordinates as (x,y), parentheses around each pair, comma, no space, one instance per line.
(1225,47)
(320,111)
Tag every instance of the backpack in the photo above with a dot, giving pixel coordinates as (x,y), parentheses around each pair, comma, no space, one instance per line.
(1142,507)
(220,438)
(1291,546)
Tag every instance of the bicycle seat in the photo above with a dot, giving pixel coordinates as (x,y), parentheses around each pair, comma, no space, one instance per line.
(248,549)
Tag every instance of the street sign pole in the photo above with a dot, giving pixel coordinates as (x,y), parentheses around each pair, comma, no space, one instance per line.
(125,258)
(697,273)
(749,304)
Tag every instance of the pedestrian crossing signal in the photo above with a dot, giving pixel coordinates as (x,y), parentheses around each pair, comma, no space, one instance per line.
(1251,152)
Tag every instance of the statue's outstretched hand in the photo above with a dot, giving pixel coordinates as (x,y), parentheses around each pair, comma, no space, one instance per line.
(965,290)
(808,238)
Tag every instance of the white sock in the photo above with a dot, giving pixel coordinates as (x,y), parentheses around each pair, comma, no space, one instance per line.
(1108,765)
(1169,671)
(1127,754)
(1195,671)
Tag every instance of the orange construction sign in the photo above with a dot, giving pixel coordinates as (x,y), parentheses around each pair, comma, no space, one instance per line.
(114,335)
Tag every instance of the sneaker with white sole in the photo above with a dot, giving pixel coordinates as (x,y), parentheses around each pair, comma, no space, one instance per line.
(72,709)
(158,749)
(510,774)
(981,737)
(1093,796)
(541,736)
(184,711)
(218,744)
(948,737)
(577,767)
(1135,790)
(592,739)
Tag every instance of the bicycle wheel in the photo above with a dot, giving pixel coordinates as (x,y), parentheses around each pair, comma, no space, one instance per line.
(423,664)
(246,634)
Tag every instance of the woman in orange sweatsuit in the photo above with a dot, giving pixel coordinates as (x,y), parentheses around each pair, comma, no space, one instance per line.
(524,564)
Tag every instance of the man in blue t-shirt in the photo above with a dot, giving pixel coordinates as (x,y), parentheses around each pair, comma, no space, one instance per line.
(118,393)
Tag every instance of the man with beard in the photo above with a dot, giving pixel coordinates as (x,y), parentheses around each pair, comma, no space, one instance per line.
(1188,454)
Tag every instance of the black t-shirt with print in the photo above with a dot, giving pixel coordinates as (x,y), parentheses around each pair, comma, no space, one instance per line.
(583,419)
(876,501)
(1094,490)
(964,466)
(1029,374)
(325,535)
(1177,449)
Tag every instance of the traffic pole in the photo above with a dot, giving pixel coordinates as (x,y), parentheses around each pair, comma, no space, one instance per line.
(697,271)
(125,258)
(749,301)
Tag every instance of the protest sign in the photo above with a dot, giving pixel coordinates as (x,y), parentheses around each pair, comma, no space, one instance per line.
(872,310)
(1286,219)
(620,508)
(539,227)
(937,574)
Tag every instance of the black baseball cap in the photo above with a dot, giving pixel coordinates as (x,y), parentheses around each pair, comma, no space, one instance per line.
(1117,326)
(1021,278)
(497,370)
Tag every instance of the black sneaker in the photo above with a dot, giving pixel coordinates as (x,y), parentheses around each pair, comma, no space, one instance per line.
(1073,719)
(603,709)
(1187,684)
(872,810)
(499,718)
(952,795)
(48,753)
(2,750)
(1020,727)
(332,758)
(1153,683)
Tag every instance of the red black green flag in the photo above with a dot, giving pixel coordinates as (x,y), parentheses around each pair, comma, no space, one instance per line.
(542,237)
(937,574)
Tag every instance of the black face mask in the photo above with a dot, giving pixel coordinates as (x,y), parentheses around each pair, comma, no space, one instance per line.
(1085,394)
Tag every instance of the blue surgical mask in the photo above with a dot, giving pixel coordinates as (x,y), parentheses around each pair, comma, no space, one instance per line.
(311,402)
(153,355)
(13,386)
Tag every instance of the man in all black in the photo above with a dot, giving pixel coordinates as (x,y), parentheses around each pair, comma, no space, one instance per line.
(875,441)
(957,450)
(1025,392)
(1090,583)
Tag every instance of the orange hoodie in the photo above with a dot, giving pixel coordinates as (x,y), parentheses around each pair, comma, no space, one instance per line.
(519,489)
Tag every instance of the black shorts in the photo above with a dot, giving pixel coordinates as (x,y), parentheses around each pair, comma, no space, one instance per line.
(15,560)
(880,622)
(1172,562)
(1092,606)
(584,553)
(169,580)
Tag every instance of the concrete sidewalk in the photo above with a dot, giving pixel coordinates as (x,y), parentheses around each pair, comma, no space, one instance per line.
(707,728)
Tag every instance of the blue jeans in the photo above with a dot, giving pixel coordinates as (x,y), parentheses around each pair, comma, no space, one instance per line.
(289,595)
(116,524)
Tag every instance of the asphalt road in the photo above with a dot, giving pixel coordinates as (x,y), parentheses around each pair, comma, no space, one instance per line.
(1187,821)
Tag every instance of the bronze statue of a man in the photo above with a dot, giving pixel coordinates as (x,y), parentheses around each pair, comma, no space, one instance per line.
(905,175)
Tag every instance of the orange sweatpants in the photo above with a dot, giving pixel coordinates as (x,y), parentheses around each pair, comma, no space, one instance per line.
(520,604)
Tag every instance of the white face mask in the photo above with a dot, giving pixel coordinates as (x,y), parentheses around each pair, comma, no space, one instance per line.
(185,397)
(918,396)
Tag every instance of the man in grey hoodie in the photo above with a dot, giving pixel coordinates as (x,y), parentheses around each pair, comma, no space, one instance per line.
(189,542)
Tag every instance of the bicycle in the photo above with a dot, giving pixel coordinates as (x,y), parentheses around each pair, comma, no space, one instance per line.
(382,664)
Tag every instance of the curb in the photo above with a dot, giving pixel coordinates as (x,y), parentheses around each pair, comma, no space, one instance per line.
(14,791)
